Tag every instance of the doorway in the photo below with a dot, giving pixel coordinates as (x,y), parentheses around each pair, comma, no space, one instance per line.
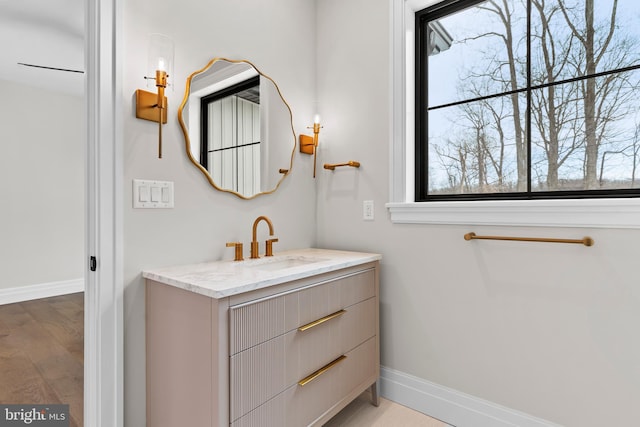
(103,318)
(42,185)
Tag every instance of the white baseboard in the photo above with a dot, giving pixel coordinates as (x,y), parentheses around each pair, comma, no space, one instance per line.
(40,290)
(451,406)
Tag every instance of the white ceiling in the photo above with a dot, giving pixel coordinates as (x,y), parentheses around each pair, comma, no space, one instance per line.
(43,32)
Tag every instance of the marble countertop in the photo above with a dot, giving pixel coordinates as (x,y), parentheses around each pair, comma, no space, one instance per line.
(220,279)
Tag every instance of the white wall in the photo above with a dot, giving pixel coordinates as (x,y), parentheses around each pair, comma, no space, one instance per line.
(41,186)
(550,330)
(279,37)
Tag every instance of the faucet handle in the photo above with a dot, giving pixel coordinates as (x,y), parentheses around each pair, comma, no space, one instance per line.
(269,247)
(238,247)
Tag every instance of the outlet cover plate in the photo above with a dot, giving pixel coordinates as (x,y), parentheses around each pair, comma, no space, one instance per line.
(367,210)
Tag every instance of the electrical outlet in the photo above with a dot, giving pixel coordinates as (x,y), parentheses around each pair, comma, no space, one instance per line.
(367,210)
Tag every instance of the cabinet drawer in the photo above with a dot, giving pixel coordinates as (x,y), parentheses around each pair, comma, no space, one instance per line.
(258,321)
(303,405)
(261,372)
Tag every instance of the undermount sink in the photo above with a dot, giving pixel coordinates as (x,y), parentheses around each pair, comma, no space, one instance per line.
(279,263)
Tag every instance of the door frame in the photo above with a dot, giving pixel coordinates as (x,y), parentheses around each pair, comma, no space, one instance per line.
(104,289)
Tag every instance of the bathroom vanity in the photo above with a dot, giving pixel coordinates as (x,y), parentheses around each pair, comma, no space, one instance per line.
(287,340)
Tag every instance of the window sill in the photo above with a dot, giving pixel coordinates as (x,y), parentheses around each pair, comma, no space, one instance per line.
(587,213)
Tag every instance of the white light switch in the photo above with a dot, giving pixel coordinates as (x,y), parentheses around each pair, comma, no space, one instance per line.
(167,194)
(143,193)
(152,194)
(155,193)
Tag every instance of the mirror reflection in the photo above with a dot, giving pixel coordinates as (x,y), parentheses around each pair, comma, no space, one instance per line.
(238,128)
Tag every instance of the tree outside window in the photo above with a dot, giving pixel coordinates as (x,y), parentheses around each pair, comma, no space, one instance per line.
(528,99)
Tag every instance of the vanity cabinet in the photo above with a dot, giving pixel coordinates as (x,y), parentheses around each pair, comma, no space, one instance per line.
(291,354)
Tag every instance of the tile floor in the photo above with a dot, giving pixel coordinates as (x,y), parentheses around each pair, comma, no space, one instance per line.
(361,413)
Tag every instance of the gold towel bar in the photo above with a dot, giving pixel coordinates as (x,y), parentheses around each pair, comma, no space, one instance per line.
(351,163)
(321,371)
(587,241)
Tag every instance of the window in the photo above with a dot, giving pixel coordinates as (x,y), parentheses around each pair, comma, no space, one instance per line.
(527,99)
(230,135)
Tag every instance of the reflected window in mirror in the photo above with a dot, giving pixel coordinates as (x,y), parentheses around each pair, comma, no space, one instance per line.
(230,135)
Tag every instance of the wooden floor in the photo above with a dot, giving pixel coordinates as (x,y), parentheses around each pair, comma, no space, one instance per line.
(41,353)
(361,413)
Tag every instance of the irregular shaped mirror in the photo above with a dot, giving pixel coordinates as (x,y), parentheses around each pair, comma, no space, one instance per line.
(238,128)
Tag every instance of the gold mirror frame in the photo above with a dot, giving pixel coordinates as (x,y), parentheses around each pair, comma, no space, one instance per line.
(185,131)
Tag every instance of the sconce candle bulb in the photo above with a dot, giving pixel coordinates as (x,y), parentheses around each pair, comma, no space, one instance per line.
(161,84)
(308,144)
(316,132)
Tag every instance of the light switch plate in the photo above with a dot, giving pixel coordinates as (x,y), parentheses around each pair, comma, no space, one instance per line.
(149,194)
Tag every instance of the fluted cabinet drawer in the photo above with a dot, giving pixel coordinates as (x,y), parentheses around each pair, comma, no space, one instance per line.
(252,324)
(261,372)
(303,405)
(258,321)
(358,287)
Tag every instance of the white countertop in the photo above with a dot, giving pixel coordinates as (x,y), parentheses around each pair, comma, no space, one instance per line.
(220,279)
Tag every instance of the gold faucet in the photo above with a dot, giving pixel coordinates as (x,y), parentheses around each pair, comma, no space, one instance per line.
(254,242)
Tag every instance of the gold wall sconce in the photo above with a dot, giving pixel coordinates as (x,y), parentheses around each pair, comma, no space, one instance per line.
(309,144)
(153,106)
(333,166)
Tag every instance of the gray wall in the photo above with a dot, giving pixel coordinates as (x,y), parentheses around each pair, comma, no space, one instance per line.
(547,330)
(279,37)
(41,186)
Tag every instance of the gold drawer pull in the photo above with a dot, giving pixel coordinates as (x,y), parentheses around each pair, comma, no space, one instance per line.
(321,371)
(321,320)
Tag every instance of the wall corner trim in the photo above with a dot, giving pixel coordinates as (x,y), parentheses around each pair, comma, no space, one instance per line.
(451,406)
(40,290)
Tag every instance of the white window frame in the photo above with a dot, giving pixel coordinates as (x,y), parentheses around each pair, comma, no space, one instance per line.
(591,213)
